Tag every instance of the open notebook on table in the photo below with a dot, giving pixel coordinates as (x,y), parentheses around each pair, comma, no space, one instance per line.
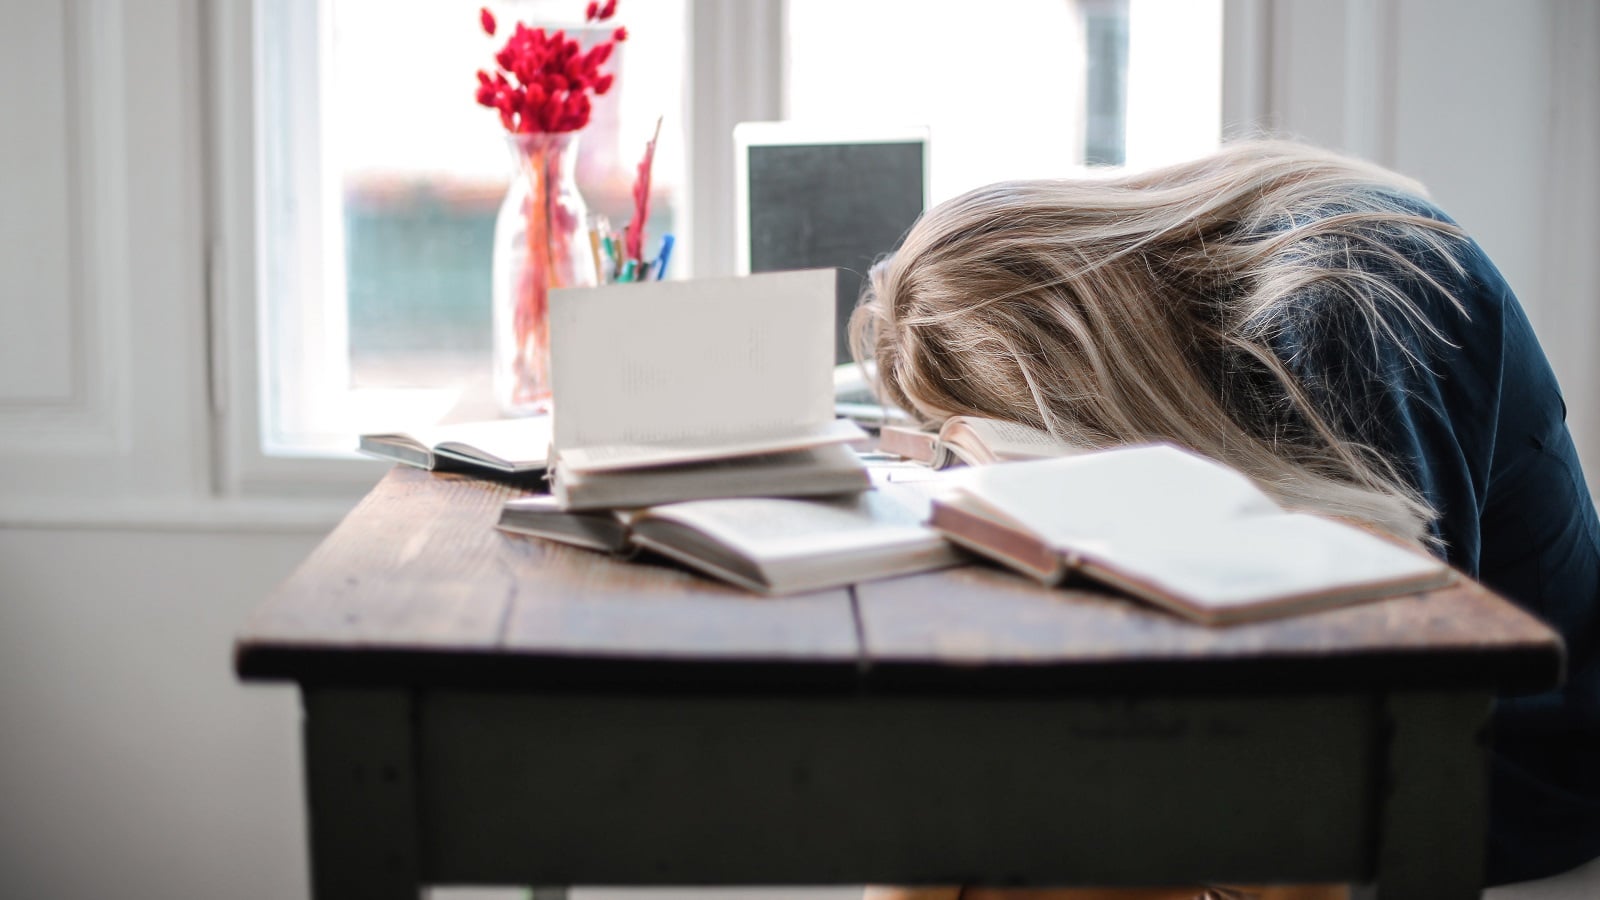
(1178,530)
(497,446)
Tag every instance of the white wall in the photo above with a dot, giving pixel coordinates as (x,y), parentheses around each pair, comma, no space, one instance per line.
(131,762)
(1494,105)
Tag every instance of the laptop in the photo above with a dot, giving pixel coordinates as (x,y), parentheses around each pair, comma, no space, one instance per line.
(841,197)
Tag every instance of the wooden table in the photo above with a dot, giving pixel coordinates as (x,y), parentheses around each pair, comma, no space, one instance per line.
(487,709)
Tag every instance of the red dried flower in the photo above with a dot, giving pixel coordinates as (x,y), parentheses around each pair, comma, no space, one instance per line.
(486,19)
(633,235)
(544,81)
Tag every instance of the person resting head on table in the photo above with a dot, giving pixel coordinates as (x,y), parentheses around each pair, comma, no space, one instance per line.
(1315,322)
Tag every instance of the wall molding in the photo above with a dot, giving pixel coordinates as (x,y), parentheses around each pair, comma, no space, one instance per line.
(1371,69)
(1247,101)
(93,417)
(1510,149)
(737,48)
(203,516)
(1570,229)
(1316,71)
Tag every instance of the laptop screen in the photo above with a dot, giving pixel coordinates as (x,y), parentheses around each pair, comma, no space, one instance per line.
(811,201)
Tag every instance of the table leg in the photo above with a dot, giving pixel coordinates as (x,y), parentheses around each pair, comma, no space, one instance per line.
(361,794)
(1435,811)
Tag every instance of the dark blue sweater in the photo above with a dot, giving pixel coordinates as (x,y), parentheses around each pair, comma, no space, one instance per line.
(1480,428)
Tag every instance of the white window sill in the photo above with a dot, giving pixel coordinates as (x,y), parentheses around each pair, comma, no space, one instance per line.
(234,516)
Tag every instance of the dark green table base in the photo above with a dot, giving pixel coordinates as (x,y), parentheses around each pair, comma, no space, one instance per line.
(482,708)
(440,787)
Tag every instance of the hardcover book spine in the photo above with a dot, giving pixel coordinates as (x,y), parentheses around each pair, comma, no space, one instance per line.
(1008,546)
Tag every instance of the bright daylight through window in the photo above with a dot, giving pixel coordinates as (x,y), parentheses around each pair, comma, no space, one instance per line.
(381,177)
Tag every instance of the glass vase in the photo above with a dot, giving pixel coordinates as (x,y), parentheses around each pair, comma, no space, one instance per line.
(541,241)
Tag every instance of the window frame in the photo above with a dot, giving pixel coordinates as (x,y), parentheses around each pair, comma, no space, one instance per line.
(725,36)
(728,38)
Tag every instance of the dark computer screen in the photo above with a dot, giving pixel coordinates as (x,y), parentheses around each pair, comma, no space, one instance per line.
(832,205)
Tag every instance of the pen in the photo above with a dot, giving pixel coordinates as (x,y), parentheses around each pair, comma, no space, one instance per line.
(663,255)
(627,271)
(622,258)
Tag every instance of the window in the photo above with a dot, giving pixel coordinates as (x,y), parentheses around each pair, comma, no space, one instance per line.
(377,177)
(381,180)
(1016,88)
(1105,86)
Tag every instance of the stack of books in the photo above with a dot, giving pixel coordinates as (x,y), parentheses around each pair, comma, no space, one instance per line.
(765,544)
(696,420)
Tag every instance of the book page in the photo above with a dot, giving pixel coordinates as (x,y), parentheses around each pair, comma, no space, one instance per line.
(396,448)
(767,529)
(517,442)
(1099,498)
(990,440)
(1196,536)
(707,360)
(1264,561)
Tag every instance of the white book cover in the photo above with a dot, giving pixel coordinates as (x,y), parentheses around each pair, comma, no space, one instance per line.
(658,373)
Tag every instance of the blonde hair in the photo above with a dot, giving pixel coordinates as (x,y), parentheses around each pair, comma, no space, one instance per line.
(1144,308)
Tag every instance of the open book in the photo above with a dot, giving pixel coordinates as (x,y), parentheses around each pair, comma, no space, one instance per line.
(650,378)
(968,440)
(1175,529)
(506,446)
(772,546)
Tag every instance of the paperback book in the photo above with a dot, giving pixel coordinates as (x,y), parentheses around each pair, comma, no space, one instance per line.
(1178,530)
(772,546)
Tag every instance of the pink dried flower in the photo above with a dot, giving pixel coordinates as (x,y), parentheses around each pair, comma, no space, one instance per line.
(545,81)
(633,235)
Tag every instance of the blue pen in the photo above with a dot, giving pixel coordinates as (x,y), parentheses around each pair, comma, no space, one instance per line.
(662,256)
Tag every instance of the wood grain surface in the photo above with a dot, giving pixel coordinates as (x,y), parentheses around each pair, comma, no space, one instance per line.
(983,626)
(416,586)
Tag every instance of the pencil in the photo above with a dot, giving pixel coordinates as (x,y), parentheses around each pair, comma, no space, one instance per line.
(594,248)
